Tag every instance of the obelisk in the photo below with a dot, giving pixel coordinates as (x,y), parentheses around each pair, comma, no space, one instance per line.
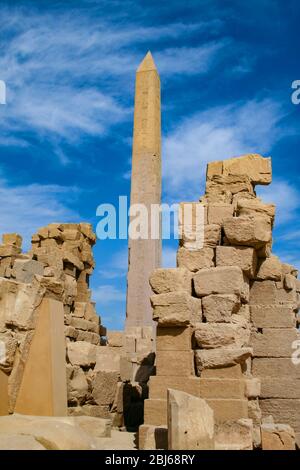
(144,254)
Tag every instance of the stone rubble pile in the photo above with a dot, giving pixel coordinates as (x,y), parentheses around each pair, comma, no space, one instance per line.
(226,316)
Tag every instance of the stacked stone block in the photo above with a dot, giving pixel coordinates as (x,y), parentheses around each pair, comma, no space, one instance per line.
(235,297)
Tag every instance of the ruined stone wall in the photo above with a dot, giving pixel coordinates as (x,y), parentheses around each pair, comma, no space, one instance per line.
(57,267)
(225,315)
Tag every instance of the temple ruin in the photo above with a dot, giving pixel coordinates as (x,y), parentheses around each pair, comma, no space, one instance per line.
(205,361)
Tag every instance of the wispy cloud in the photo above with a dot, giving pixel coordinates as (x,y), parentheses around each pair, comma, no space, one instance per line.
(118,265)
(26,208)
(217,134)
(108,293)
(286,197)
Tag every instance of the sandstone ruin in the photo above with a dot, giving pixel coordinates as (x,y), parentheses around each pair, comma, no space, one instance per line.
(205,360)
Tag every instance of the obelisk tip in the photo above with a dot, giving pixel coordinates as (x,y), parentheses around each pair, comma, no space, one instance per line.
(147,63)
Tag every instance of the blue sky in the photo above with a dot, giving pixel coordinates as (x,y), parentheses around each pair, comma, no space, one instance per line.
(226,70)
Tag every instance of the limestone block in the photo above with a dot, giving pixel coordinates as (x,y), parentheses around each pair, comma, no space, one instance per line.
(285,411)
(12,239)
(153,437)
(126,369)
(222,388)
(3,393)
(24,270)
(275,368)
(174,338)
(254,165)
(115,338)
(81,353)
(263,293)
(171,280)
(71,332)
(218,212)
(54,433)
(53,289)
(219,308)
(107,359)
(94,426)
(272,316)
(207,236)
(190,422)
(155,412)
(220,280)
(104,386)
(253,207)
(221,357)
(289,282)
(212,235)
(242,256)
(236,435)
(270,268)
(8,347)
(252,387)
(232,184)
(196,259)
(248,231)
(77,385)
(176,363)
(158,385)
(88,336)
(227,409)
(96,411)
(277,437)
(19,442)
(255,413)
(211,336)
(192,214)
(284,295)
(226,372)
(85,325)
(175,309)
(9,250)
(280,388)
(274,342)
(87,231)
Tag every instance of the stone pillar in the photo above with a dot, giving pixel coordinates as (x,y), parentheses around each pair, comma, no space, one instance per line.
(43,391)
(144,255)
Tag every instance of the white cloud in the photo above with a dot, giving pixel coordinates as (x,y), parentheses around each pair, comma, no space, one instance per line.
(107,293)
(118,265)
(217,134)
(26,208)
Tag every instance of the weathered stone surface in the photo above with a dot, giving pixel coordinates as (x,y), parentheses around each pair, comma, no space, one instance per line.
(275,367)
(171,280)
(277,437)
(248,231)
(153,437)
(158,385)
(221,357)
(190,422)
(88,336)
(220,280)
(174,339)
(236,435)
(280,388)
(175,309)
(219,185)
(196,259)
(115,338)
(52,433)
(78,386)
(263,293)
(210,335)
(95,427)
(242,256)
(175,363)
(107,359)
(254,165)
(104,385)
(19,442)
(270,268)
(24,270)
(272,316)
(222,388)
(12,239)
(253,207)
(218,212)
(155,412)
(252,387)
(9,250)
(285,411)
(219,308)
(274,342)
(82,324)
(289,282)
(224,372)
(227,409)
(81,353)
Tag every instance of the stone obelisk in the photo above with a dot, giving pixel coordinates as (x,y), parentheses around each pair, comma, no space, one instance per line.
(144,254)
